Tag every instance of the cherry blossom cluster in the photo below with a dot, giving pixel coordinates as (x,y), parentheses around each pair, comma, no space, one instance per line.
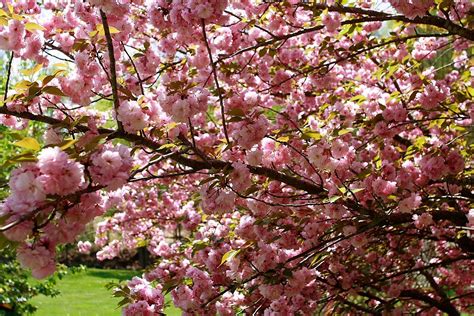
(278,158)
(412,9)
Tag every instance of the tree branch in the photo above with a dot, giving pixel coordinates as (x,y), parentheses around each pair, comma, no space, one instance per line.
(216,81)
(447,308)
(426,20)
(7,83)
(113,72)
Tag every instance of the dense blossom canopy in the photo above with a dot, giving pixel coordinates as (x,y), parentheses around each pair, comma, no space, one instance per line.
(276,158)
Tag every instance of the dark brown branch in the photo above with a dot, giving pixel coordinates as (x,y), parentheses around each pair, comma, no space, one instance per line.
(113,72)
(442,306)
(177,157)
(140,82)
(451,27)
(216,81)
(59,49)
(52,203)
(9,72)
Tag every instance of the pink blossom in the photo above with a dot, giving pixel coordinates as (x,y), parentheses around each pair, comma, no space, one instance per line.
(412,8)
(111,166)
(13,37)
(410,203)
(332,21)
(20,231)
(240,177)
(248,134)
(454,162)
(39,257)
(26,186)
(132,116)
(139,308)
(84,247)
(423,220)
(383,188)
(433,167)
(433,95)
(217,200)
(59,174)
(470,217)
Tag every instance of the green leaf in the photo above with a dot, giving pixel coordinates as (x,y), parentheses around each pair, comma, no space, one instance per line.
(67,143)
(364,173)
(123,302)
(318,258)
(206,180)
(332,199)
(312,134)
(30,26)
(343,131)
(236,119)
(169,286)
(199,245)
(101,31)
(167,146)
(53,90)
(32,71)
(28,143)
(236,112)
(48,78)
(254,188)
(229,255)
(283,139)
(357,190)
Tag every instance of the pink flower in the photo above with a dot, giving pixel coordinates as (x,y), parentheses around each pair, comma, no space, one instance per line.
(13,37)
(433,167)
(395,112)
(240,177)
(271,292)
(412,8)
(183,298)
(339,149)
(470,218)
(433,95)
(59,174)
(139,308)
(132,116)
(455,162)
(39,257)
(84,247)
(216,200)
(358,241)
(394,290)
(20,231)
(111,166)
(332,21)
(250,133)
(25,185)
(423,220)
(384,188)
(410,203)
(110,251)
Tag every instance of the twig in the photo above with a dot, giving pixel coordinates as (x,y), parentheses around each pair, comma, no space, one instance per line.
(221,100)
(9,71)
(140,82)
(113,72)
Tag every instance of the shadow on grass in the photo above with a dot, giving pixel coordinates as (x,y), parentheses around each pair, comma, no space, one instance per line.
(120,275)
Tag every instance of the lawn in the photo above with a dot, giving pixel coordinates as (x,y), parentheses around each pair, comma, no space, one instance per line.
(84,294)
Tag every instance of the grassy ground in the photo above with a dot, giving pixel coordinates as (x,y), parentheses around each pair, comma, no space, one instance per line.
(84,294)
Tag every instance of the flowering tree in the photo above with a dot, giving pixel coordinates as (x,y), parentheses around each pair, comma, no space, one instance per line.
(280,158)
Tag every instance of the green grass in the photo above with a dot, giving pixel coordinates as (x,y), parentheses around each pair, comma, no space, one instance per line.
(84,294)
